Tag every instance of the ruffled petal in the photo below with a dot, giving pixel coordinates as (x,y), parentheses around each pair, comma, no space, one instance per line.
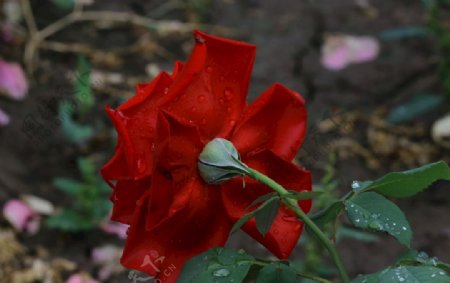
(135,122)
(126,194)
(286,229)
(198,226)
(275,121)
(183,148)
(211,89)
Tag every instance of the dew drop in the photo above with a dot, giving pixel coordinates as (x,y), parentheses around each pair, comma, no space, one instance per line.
(223,272)
(193,109)
(166,90)
(228,94)
(201,98)
(404,228)
(209,69)
(141,167)
(232,122)
(203,121)
(355,185)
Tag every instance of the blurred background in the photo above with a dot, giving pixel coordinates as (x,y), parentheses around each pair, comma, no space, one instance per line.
(375,74)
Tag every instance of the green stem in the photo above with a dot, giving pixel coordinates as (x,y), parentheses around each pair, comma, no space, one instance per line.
(293,205)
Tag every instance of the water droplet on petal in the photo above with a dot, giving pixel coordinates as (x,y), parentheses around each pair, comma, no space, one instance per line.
(193,109)
(166,90)
(232,122)
(201,98)
(209,69)
(228,93)
(223,272)
(203,121)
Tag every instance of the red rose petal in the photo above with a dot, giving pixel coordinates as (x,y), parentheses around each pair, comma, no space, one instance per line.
(210,91)
(276,121)
(286,229)
(201,224)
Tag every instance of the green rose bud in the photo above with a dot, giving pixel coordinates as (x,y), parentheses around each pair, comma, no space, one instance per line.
(220,161)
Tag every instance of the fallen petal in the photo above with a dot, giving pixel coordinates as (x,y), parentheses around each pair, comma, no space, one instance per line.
(335,53)
(81,278)
(115,228)
(4,118)
(12,80)
(106,254)
(39,205)
(441,131)
(363,48)
(21,216)
(338,51)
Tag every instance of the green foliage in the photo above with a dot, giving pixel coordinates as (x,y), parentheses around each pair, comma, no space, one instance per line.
(72,130)
(406,274)
(373,211)
(407,183)
(264,214)
(277,272)
(90,203)
(416,107)
(83,101)
(217,265)
(64,4)
(441,30)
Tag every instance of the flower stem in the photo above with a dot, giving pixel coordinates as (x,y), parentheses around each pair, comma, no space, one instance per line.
(293,205)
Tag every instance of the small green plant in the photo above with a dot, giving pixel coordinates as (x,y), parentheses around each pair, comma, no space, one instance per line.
(78,106)
(90,204)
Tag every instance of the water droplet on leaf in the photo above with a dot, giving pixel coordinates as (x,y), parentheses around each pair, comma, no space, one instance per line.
(223,272)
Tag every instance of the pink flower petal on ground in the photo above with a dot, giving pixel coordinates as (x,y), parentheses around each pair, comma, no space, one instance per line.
(12,80)
(338,51)
(107,257)
(4,119)
(81,278)
(335,53)
(363,48)
(21,216)
(115,228)
(106,254)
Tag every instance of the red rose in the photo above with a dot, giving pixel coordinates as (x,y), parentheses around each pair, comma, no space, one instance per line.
(173,214)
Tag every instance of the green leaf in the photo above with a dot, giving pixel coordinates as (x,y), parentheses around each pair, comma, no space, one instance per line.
(277,272)
(219,265)
(69,220)
(406,274)
(422,258)
(266,215)
(373,211)
(64,4)
(68,186)
(87,169)
(304,195)
(404,32)
(262,198)
(347,232)
(73,131)
(328,215)
(416,107)
(407,183)
(83,92)
(251,214)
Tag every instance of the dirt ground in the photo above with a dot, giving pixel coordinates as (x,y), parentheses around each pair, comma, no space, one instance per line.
(288,35)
